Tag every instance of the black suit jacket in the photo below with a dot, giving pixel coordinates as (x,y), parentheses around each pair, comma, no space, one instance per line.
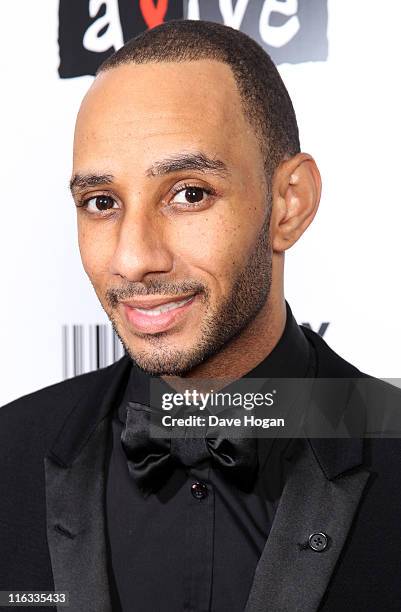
(53,534)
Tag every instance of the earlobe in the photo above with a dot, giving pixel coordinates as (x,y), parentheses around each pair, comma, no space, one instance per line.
(296,196)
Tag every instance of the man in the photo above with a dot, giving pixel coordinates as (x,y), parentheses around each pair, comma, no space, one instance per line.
(190,186)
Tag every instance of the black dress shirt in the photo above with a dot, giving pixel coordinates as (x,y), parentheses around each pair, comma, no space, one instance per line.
(174,551)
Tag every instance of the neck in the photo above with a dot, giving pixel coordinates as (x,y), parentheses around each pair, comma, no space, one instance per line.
(246,351)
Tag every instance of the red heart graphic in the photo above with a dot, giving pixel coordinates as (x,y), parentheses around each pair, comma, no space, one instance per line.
(153,15)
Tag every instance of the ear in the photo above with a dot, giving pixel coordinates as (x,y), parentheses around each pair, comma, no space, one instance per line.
(296,194)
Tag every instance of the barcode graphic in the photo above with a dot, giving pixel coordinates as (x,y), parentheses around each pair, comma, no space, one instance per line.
(88,347)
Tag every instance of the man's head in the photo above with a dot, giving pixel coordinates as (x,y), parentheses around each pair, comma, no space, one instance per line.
(264,98)
(188,180)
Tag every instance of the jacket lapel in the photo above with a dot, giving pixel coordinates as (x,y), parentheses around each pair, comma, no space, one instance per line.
(291,576)
(75,474)
(324,486)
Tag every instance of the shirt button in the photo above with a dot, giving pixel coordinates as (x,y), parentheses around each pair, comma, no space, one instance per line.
(199,490)
(318,541)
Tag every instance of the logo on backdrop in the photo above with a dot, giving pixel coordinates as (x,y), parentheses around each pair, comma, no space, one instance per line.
(90,30)
(89,347)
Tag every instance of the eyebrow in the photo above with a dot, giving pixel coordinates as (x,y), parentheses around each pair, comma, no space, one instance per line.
(82,181)
(183,161)
(188,161)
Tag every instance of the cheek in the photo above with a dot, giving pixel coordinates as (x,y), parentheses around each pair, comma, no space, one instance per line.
(215,244)
(93,249)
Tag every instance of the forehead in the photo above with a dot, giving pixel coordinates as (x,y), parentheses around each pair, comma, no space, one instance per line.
(194,104)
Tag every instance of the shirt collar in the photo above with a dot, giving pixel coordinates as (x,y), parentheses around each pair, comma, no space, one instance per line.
(289,358)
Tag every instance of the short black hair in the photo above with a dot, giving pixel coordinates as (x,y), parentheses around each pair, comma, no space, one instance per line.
(266,102)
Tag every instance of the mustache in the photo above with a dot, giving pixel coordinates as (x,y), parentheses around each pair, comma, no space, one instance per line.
(126,291)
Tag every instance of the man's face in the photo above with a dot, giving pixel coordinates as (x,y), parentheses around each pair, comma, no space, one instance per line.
(172,200)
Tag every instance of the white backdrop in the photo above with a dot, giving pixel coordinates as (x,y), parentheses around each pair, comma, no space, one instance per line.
(345,270)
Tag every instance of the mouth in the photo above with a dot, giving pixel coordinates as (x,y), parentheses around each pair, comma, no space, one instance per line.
(157,315)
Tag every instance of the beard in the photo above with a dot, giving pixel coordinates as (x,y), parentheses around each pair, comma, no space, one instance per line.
(249,293)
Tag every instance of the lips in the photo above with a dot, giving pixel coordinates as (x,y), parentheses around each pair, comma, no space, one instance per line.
(153,302)
(157,310)
(157,315)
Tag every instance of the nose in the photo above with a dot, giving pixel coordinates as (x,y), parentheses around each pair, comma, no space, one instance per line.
(141,248)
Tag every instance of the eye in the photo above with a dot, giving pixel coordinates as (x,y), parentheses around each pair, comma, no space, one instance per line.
(191,194)
(99,203)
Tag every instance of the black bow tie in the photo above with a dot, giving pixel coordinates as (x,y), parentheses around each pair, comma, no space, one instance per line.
(151,460)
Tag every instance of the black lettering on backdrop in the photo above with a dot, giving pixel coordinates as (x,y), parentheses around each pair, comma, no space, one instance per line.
(322,329)
(88,347)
